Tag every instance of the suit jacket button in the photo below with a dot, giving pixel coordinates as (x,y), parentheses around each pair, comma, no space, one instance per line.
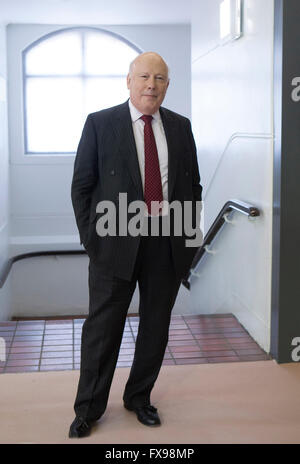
(112,172)
(186,173)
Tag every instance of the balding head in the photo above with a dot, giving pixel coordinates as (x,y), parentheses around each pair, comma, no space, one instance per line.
(147,81)
(151,56)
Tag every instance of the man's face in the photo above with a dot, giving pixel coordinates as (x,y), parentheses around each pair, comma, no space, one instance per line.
(148,82)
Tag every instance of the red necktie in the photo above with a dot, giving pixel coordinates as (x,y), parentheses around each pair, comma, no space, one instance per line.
(153,186)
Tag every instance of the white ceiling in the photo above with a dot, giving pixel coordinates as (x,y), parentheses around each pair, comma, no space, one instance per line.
(95,11)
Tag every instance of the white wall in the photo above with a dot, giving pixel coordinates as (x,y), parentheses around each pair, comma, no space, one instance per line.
(232,122)
(4,179)
(42,214)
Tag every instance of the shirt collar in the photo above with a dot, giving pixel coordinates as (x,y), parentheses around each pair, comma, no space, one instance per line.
(136,114)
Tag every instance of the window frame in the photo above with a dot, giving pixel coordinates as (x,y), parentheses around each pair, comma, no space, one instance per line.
(82,75)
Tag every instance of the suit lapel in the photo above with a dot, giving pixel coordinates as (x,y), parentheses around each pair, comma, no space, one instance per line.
(122,126)
(172,133)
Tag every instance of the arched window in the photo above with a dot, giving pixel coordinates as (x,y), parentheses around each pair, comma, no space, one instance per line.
(68,74)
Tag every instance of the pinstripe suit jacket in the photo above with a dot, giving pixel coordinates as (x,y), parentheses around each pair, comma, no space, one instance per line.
(106,164)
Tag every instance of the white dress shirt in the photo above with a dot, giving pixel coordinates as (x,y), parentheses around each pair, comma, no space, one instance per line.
(161,144)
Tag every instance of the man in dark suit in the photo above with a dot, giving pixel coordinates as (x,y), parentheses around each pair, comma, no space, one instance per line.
(148,153)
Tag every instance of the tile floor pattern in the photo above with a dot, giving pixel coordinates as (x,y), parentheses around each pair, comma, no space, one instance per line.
(54,344)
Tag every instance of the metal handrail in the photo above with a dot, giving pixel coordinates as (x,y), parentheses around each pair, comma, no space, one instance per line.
(8,265)
(229,206)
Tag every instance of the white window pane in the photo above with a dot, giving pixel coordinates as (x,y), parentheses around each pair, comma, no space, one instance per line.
(54,114)
(104,92)
(105,54)
(60,54)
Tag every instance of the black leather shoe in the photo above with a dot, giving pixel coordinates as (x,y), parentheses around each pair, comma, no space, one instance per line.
(80,428)
(147,415)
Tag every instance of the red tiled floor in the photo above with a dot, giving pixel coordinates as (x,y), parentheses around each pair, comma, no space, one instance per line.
(57,354)
(26,343)
(182,343)
(213,341)
(22,362)
(188,354)
(57,367)
(207,336)
(224,353)
(52,361)
(16,369)
(224,359)
(253,357)
(191,361)
(168,362)
(206,347)
(31,355)
(184,348)
(54,344)
(25,349)
(57,348)
(181,337)
(58,342)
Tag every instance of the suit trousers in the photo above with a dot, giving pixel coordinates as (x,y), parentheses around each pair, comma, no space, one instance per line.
(102,332)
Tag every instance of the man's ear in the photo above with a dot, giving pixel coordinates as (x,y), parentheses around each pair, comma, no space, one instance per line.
(128,81)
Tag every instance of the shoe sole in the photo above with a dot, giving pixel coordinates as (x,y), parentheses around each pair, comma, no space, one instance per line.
(78,436)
